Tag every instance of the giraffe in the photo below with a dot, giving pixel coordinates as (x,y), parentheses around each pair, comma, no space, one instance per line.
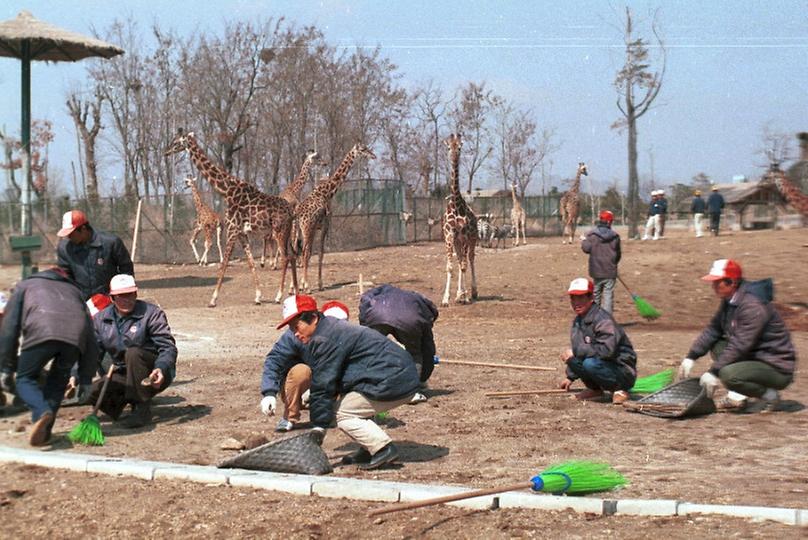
(207,221)
(248,210)
(517,217)
(570,205)
(291,194)
(312,213)
(790,191)
(459,229)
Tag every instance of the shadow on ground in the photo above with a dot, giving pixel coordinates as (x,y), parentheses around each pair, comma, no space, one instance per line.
(179,281)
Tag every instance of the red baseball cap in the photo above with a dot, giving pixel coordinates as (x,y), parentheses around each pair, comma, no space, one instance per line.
(71,221)
(606,215)
(581,286)
(294,306)
(723,269)
(335,308)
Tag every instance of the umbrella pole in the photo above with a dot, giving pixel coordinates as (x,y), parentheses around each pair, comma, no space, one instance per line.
(25,137)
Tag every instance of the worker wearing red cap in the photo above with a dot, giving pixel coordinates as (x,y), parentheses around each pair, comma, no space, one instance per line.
(91,257)
(600,352)
(287,375)
(753,355)
(603,246)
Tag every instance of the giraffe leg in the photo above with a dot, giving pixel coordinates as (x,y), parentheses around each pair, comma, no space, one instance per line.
(228,250)
(264,250)
(471,257)
(193,244)
(245,244)
(323,233)
(287,260)
(208,241)
(449,253)
(460,251)
(524,235)
(219,242)
(308,240)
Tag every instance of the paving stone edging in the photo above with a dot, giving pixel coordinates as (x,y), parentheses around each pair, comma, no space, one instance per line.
(383,491)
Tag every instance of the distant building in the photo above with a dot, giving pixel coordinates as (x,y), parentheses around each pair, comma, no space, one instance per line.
(798,172)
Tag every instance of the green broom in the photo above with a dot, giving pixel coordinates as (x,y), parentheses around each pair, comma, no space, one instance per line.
(653,383)
(88,432)
(645,309)
(573,477)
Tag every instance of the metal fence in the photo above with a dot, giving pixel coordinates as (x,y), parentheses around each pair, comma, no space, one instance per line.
(364,214)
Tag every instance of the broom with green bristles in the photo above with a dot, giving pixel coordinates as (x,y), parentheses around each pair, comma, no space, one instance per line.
(88,432)
(653,383)
(645,309)
(571,477)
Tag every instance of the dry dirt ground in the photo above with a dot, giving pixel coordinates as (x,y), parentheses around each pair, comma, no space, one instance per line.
(459,436)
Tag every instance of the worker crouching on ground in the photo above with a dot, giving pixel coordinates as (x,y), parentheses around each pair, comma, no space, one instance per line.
(753,354)
(356,374)
(408,316)
(601,354)
(287,372)
(138,339)
(46,315)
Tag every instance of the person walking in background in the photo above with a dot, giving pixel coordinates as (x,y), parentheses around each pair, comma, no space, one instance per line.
(715,204)
(46,319)
(652,224)
(138,339)
(91,257)
(603,246)
(408,316)
(697,208)
(752,351)
(286,372)
(662,206)
(600,352)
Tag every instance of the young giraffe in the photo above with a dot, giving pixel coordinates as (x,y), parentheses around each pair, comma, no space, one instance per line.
(518,217)
(790,191)
(570,205)
(459,229)
(207,221)
(291,194)
(248,210)
(312,213)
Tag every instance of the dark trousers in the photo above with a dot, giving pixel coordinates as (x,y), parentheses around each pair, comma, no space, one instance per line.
(124,385)
(600,374)
(29,367)
(715,220)
(420,345)
(752,378)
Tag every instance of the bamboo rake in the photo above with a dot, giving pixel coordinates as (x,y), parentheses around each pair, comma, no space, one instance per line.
(449,498)
(528,392)
(494,364)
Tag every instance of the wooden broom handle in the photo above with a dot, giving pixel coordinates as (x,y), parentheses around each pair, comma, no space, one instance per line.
(494,364)
(528,392)
(103,389)
(449,498)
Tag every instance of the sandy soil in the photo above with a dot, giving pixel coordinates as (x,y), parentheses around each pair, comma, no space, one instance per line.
(459,436)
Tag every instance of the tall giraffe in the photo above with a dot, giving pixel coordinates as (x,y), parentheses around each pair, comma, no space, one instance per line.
(570,205)
(207,221)
(291,194)
(459,229)
(249,210)
(518,217)
(790,191)
(312,213)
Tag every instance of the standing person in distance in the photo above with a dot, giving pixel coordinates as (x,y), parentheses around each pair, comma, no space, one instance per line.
(602,244)
(715,204)
(697,208)
(662,205)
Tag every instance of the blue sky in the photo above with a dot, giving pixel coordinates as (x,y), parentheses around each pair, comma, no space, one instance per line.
(733,68)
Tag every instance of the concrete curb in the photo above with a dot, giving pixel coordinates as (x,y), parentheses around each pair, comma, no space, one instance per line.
(383,491)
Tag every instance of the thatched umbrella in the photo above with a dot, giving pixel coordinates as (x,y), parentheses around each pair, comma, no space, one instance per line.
(30,39)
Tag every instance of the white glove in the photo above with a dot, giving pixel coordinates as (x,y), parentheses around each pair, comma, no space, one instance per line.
(684,368)
(268,405)
(319,434)
(710,383)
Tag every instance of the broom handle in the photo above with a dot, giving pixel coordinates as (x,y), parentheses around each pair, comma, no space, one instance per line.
(493,364)
(528,392)
(449,498)
(103,389)
(623,283)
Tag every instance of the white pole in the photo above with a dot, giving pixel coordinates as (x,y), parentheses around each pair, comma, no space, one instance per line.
(137,229)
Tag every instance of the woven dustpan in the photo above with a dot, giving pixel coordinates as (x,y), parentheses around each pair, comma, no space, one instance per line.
(300,454)
(678,400)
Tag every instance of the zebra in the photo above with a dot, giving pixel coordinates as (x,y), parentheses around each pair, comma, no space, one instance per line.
(485,230)
(501,232)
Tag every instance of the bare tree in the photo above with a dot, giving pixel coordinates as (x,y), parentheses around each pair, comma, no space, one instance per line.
(776,146)
(431,107)
(86,115)
(471,118)
(637,87)
(10,164)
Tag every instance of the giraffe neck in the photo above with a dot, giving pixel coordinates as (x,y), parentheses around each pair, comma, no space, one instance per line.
(576,185)
(294,189)
(513,195)
(197,198)
(329,187)
(454,181)
(219,178)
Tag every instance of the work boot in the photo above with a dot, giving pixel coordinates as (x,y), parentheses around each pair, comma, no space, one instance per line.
(620,397)
(284,425)
(771,401)
(141,415)
(417,398)
(727,404)
(382,457)
(41,432)
(589,394)
(359,456)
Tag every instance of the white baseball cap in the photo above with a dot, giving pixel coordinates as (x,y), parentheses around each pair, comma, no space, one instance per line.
(294,306)
(581,286)
(336,309)
(122,284)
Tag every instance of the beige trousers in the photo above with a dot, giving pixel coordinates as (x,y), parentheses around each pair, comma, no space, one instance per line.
(298,380)
(354,417)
